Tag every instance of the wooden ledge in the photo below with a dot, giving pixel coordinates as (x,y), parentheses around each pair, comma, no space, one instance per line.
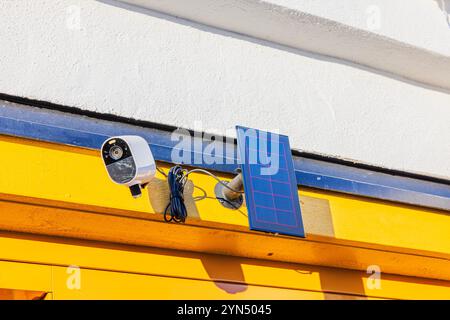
(55,218)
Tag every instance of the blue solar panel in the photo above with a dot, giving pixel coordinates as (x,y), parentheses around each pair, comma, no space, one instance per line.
(269,182)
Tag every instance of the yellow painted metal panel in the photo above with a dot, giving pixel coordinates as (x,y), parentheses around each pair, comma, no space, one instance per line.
(386,223)
(51,171)
(205,267)
(96,284)
(24,276)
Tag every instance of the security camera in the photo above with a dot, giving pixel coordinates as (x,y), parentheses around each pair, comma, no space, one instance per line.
(129,161)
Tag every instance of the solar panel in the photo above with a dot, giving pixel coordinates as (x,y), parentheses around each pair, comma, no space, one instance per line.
(269,180)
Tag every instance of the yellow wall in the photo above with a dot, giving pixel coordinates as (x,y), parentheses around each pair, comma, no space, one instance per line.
(118,271)
(46,186)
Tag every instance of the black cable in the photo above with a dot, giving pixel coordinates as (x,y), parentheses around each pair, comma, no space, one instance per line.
(215,177)
(161,171)
(177,178)
(176,210)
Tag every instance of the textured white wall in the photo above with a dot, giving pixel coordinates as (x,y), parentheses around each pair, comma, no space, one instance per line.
(149,66)
(370,40)
(422,23)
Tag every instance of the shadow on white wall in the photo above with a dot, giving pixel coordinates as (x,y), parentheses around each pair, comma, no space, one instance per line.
(444,5)
(222,32)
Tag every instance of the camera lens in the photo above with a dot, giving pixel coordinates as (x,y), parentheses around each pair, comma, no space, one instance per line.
(116,152)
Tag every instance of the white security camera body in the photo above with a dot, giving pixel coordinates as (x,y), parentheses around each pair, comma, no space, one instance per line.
(129,161)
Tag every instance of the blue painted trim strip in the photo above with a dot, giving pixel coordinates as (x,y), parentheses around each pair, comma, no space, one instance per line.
(64,128)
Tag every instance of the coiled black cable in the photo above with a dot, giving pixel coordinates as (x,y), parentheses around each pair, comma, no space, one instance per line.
(176,210)
(177,178)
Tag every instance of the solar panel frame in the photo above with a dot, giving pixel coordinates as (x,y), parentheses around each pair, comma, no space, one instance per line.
(272,200)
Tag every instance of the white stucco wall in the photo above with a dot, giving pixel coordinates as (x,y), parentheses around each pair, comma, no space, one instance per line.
(422,23)
(150,66)
(366,37)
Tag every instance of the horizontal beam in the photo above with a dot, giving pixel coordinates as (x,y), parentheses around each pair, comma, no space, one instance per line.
(70,129)
(24,215)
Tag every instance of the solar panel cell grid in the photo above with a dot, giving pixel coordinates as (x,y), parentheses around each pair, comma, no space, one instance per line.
(269,182)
